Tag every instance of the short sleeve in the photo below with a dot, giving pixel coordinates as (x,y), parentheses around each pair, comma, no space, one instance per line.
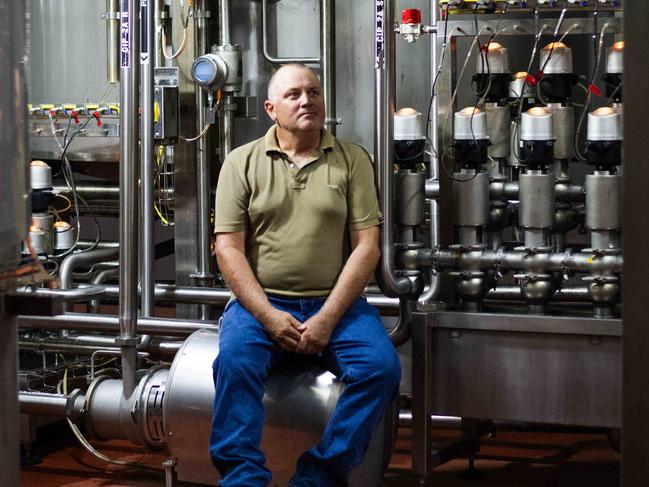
(362,203)
(232,197)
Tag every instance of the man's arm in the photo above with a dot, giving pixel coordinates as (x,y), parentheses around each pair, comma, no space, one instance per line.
(350,285)
(230,253)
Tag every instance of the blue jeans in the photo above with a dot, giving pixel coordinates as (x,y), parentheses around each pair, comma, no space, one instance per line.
(359,353)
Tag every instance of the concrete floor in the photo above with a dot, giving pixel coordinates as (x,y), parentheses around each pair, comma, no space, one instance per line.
(509,459)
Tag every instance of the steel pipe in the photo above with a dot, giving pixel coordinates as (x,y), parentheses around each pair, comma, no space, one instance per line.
(66,295)
(391,284)
(128,193)
(100,278)
(328,61)
(89,344)
(111,323)
(78,259)
(112,41)
(147,217)
(565,294)
(273,59)
(65,406)
(225,38)
(564,193)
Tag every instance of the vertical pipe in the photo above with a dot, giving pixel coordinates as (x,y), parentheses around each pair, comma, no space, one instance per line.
(328,60)
(112,41)
(432,293)
(391,285)
(225,39)
(128,192)
(159,24)
(146,158)
(202,275)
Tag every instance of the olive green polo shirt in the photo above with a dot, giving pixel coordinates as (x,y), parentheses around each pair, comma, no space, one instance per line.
(297,219)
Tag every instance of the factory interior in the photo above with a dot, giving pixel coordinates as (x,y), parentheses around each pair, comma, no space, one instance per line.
(511,165)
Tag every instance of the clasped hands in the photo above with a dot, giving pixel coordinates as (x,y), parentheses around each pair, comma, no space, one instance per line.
(307,338)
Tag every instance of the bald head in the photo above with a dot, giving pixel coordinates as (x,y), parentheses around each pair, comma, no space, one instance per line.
(285,75)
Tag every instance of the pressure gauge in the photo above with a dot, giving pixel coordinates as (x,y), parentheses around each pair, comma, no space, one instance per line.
(210,71)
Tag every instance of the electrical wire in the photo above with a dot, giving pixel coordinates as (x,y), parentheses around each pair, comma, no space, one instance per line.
(86,444)
(185,21)
(598,56)
(199,136)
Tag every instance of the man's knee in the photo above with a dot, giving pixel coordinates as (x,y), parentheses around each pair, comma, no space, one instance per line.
(383,369)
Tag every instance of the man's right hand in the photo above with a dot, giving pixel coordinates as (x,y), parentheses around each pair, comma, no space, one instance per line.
(283,328)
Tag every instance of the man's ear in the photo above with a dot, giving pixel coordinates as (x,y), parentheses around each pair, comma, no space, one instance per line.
(269,107)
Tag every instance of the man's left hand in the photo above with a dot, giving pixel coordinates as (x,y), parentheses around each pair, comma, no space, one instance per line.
(316,335)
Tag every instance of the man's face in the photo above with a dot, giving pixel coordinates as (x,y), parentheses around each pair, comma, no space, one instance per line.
(297,102)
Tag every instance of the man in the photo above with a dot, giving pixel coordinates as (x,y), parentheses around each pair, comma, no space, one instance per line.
(297,241)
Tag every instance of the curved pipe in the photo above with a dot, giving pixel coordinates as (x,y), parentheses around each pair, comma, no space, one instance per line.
(73,261)
(278,60)
(100,278)
(67,295)
(400,333)
(390,284)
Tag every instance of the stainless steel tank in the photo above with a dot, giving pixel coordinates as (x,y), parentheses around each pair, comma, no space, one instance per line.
(298,403)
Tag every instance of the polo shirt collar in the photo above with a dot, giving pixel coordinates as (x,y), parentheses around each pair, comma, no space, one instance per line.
(270,140)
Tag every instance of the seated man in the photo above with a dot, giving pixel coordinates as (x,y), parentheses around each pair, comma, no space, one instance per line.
(297,241)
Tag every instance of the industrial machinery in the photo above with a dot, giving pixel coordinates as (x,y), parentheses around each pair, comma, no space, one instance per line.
(500,180)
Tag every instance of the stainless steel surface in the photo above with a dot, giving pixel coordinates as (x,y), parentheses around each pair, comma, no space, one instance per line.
(110,324)
(203,156)
(92,192)
(536,195)
(298,402)
(471,199)
(569,294)
(563,192)
(273,59)
(563,127)
(147,156)
(603,201)
(69,406)
(67,295)
(328,61)
(552,370)
(112,41)
(391,284)
(128,194)
(635,221)
(78,259)
(68,52)
(225,38)
(411,198)
(498,128)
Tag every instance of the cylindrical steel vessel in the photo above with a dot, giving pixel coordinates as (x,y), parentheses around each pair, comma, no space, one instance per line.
(471,199)
(536,196)
(410,197)
(498,128)
(298,402)
(563,126)
(603,199)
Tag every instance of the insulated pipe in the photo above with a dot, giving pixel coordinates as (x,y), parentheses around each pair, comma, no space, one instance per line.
(128,194)
(278,60)
(391,284)
(147,17)
(111,324)
(76,260)
(202,276)
(328,61)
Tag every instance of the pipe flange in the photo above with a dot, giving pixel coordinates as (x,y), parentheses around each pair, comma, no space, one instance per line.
(534,250)
(465,248)
(533,277)
(409,246)
(601,252)
(601,280)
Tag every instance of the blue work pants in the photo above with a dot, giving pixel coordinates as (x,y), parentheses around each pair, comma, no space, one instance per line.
(359,353)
